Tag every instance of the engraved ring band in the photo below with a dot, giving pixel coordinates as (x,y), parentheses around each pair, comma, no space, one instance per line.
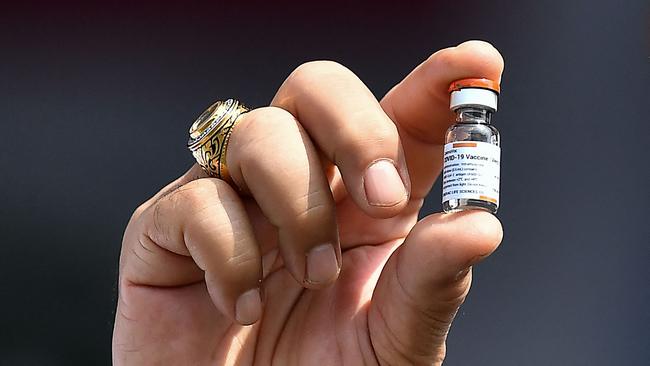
(209,136)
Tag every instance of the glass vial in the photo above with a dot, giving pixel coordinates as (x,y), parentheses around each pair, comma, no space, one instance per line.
(470,175)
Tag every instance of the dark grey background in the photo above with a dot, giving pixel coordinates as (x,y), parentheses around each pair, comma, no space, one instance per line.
(95,102)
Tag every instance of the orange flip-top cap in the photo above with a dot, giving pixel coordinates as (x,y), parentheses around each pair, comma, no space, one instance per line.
(475,83)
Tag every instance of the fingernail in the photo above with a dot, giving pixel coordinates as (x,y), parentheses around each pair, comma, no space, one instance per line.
(322,265)
(383,184)
(248,308)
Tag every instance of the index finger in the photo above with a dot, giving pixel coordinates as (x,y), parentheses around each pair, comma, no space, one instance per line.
(419,105)
(345,121)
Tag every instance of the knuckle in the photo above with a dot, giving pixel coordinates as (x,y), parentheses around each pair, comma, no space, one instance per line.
(384,133)
(278,134)
(274,123)
(244,259)
(428,350)
(271,114)
(313,212)
(370,142)
(193,194)
(134,224)
(137,213)
(159,232)
(188,195)
(310,211)
(274,119)
(312,71)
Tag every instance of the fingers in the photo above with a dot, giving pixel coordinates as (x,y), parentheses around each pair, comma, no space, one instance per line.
(419,105)
(423,284)
(347,123)
(271,157)
(194,232)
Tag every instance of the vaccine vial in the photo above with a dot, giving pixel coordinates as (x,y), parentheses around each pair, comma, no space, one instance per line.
(470,175)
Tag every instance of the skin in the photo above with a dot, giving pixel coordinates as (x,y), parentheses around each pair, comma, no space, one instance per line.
(196,255)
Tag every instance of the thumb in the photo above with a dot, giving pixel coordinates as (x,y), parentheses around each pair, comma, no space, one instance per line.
(424,283)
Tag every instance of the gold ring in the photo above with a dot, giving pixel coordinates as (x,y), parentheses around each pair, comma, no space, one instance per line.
(209,136)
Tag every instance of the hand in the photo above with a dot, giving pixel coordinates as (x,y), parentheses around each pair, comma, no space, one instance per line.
(318,246)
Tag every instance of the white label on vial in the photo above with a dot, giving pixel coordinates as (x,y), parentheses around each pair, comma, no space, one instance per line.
(471,170)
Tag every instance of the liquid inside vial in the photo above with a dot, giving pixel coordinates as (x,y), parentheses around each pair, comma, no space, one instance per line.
(471,165)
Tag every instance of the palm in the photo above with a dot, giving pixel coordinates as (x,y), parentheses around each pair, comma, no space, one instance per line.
(326,326)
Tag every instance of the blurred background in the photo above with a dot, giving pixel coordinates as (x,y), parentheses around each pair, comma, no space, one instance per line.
(96,100)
